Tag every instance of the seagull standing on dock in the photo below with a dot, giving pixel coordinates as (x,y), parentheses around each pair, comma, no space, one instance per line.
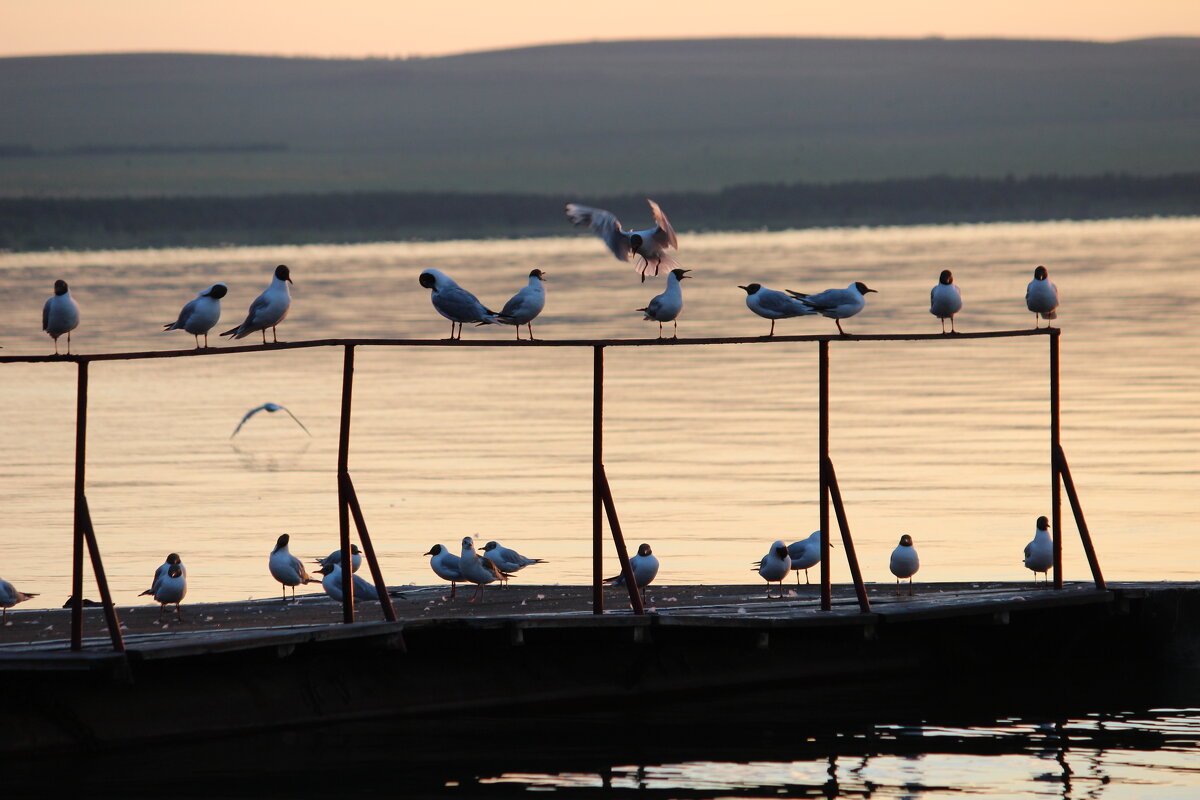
(270,408)
(477,569)
(806,553)
(1039,554)
(161,572)
(336,558)
(171,589)
(1041,297)
(772,304)
(200,315)
(446,566)
(666,306)
(904,563)
(644,566)
(837,304)
(454,302)
(507,560)
(268,309)
(60,315)
(332,584)
(945,300)
(649,245)
(286,568)
(525,305)
(9,597)
(774,566)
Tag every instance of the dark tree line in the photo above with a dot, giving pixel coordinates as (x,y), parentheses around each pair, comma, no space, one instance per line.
(93,223)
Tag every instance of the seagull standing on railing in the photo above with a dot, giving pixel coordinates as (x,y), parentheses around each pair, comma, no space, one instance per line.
(454,302)
(1041,297)
(200,315)
(446,566)
(268,309)
(649,245)
(904,562)
(837,304)
(525,304)
(945,300)
(9,597)
(286,568)
(60,315)
(666,306)
(270,408)
(774,566)
(1039,554)
(771,304)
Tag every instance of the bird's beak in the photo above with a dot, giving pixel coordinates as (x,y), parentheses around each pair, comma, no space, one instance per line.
(868,291)
(685,274)
(742,287)
(429,553)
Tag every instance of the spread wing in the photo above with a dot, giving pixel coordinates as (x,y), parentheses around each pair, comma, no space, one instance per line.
(665,234)
(605,225)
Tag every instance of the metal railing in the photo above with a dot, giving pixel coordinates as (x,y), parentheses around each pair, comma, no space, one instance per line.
(603,503)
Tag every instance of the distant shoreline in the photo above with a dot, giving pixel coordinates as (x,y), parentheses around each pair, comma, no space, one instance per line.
(32,224)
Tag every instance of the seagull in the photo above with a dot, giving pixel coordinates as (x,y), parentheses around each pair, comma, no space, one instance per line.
(525,304)
(477,569)
(806,553)
(666,306)
(645,568)
(904,563)
(650,245)
(286,568)
(271,408)
(161,572)
(507,560)
(171,589)
(771,304)
(332,583)
(774,566)
(9,597)
(336,558)
(945,300)
(1039,554)
(1041,297)
(837,304)
(446,566)
(60,315)
(454,302)
(200,315)
(268,309)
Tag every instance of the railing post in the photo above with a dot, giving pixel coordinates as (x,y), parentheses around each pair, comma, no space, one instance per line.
(839,508)
(1089,549)
(823,458)
(81,402)
(597,474)
(343,500)
(1055,474)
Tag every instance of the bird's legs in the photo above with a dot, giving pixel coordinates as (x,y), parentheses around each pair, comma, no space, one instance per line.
(772,333)
(198,339)
(659,331)
(453,588)
(69,340)
(478,589)
(1037,320)
(529,325)
(55,345)
(518,333)
(951,324)
(910,587)
(675,322)
(264,335)
(161,607)
(178,613)
(943,321)
(838,322)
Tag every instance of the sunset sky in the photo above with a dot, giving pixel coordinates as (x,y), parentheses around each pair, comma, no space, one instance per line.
(357,28)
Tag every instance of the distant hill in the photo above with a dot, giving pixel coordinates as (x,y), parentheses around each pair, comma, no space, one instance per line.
(601,118)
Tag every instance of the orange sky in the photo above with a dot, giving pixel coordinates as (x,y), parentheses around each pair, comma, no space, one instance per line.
(358,28)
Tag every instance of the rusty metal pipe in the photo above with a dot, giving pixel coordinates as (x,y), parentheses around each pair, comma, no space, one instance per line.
(822,460)
(614,524)
(860,588)
(597,475)
(1080,523)
(343,474)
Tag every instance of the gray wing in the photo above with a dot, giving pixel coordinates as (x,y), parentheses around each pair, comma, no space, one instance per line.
(463,306)
(653,306)
(46,315)
(250,414)
(665,234)
(185,314)
(780,303)
(605,225)
(830,298)
(290,414)
(258,305)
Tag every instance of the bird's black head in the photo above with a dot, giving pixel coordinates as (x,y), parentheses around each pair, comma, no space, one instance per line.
(635,242)
(283,273)
(60,286)
(428,280)
(217,291)
(947,277)
(862,288)
(172,558)
(680,274)
(751,288)
(354,551)
(781,551)
(175,571)
(435,550)
(906,541)
(643,550)
(282,541)
(537,273)
(490,546)
(1040,274)
(1043,524)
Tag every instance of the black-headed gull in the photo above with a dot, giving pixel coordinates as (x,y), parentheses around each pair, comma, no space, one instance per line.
(1039,554)
(477,569)
(1041,297)
(666,306)
(336,558)
(286,568)
(525,305)
(507,560)
(200,315)
(269,408)
(454,302)
(268,309)
(446,566)
(161,572)
(363,589)
(171,589)
(945,300)
(772,304)
(9,597)
(645,569)
(774,566)
(806,553)
(837,304)
(904,562)
(649,245)
(60,314)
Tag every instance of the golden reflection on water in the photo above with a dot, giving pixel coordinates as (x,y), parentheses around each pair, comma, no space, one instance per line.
(711,451)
